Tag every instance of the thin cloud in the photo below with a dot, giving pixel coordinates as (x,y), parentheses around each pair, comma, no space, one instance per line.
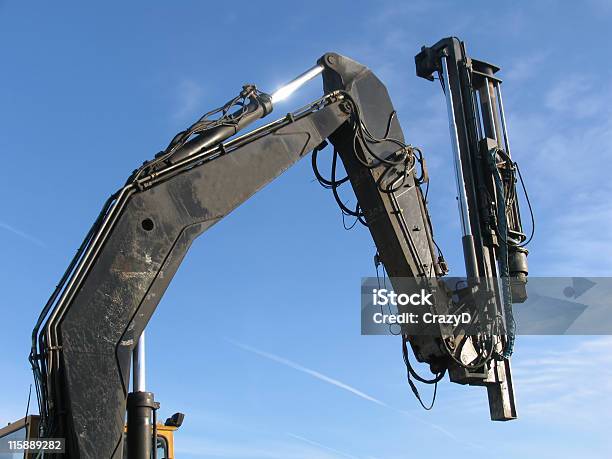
(189,95)
(310,372)
(348,388)
(22,234)
(577,96)
(525,67)
(209,447)
(573,379)
(322,446)
(566,141)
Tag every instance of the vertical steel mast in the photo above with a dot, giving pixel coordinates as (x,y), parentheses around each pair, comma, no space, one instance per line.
(491,226)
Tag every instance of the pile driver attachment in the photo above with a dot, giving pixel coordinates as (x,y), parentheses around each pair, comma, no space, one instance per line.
(485,176)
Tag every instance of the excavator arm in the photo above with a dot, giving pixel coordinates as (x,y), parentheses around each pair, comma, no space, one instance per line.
(83,341)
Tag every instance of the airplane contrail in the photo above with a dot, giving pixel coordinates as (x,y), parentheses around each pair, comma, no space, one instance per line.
(346,387)
(20,233)
(308,371)
(322,446)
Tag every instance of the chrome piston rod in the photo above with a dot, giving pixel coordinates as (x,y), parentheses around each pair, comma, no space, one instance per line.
(469,252)
(295,84)
(139,365)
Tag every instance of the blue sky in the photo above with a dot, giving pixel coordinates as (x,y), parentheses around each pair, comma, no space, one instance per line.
(257,338)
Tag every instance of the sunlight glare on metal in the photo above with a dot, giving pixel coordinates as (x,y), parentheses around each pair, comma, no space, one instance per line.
(294,85)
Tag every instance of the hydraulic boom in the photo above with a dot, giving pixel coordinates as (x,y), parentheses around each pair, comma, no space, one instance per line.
(83,341)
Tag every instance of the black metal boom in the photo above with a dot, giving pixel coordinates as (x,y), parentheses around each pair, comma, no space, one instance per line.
(83,341)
